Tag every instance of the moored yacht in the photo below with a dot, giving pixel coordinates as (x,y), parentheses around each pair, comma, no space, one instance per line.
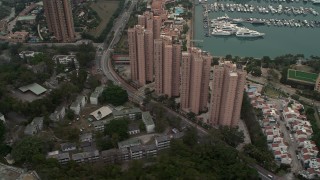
(219,32)
(247,33)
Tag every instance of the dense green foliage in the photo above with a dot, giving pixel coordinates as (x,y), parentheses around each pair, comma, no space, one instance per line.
(114,95)
(208,160)
(40,107)
(4,149)
(316,131)
(232,135)
(28,148)
(117,129)
(258,149)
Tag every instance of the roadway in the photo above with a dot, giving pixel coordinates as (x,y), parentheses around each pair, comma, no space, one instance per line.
(108,71)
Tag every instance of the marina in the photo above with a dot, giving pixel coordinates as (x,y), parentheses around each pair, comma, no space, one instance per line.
(267,9)
(258,24)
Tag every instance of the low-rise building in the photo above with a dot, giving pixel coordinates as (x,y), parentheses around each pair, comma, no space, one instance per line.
(134,113)
(35,88)
(78,104)
(101,113)
(26,54)
(35,126)
(133,128)
(91,156)
(99,125)
(111,156)
(136,152)
(58,114)
(86,137)
(62,158)
(95,95)
(2,118)
(163,142)
(27,19)
(148,121)
(65,59)
(129,143)
(65,147)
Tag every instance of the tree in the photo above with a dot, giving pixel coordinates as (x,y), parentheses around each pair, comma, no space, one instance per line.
(117,127)
(70,114)
(191,137)
(114,95)
(94,82)
(310,111)
(232,135)
(256,71)
(25,149)
(215,61)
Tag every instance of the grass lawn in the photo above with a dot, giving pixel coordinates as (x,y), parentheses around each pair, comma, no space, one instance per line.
(122,45)
(105,10)
(302,76)
(271,92)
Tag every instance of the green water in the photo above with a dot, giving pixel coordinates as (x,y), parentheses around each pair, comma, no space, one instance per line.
(277,41)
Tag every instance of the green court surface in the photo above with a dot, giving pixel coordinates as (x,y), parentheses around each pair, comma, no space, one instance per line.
(302,76)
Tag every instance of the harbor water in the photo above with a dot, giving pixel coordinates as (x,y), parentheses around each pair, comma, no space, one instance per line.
(278,40)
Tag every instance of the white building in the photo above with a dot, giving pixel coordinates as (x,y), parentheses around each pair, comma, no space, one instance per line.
(58,114)
(95,95)
(35,126)
(101,113)
(78,104)
(2,118)
(147,120)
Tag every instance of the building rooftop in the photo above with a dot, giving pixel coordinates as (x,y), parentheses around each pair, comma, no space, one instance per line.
(34,88)
(26,18)
(101,113)
(147,118)
(126,112)
(10,172)
(136,148)
(99,123)
(85,136)
(65,146)
(129,143)
(96,93)
(133,127)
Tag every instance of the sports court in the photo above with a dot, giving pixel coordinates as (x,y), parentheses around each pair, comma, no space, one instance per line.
(302,76)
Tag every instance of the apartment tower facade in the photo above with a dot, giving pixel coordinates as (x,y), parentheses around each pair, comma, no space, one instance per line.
(59,19)
(227,94)
(195,80)
(167,57)
(140,42)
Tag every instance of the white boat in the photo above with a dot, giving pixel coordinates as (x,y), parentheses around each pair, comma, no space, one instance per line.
(199,1)
(316,1)
(238,20)
(232,28)
(219,32)
(246,33)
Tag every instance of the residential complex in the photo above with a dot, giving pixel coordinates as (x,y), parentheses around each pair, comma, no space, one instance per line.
(227,94)
(59,19)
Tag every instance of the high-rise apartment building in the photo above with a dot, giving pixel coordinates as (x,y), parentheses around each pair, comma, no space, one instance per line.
(157,22)
(227,94)
(59,19)
(140,42)
(195,80)
(167,57)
